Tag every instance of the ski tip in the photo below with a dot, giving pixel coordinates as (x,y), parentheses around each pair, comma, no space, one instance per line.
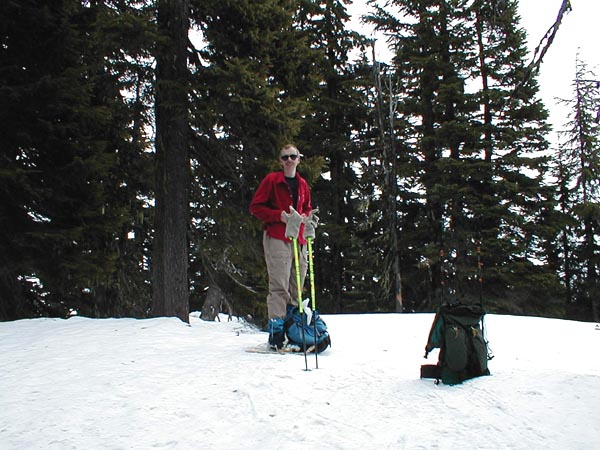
(262,348)
(288,349)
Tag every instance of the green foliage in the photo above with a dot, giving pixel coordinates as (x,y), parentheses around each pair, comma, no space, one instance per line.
(432,170)
(476,156)
(62,126)
(578,170)
(250,86)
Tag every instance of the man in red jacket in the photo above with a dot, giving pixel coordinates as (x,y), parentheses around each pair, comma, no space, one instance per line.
(271,203)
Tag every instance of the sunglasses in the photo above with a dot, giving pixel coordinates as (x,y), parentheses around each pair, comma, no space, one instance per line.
(286,157)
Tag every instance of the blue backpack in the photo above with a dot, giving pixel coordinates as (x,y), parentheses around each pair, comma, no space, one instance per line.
(299,332)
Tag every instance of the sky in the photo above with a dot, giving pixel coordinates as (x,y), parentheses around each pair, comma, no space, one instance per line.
(578,33)
(161,384)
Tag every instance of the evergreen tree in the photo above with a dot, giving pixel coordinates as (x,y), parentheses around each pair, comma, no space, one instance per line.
(579,172)
(416,166)
(251,79)
(515,225)
(61,134)
(332,132)
(125,33)
(478,173)
(431,128)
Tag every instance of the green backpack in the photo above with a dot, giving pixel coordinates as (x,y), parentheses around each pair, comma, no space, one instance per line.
(457,331)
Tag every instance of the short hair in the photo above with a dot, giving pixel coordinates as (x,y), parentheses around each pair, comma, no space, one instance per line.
(288,147)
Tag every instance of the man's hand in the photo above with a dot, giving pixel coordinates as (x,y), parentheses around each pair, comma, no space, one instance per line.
(293,220)
(310,224)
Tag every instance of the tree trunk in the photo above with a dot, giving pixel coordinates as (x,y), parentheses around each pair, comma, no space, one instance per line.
(170,295)
(390,183)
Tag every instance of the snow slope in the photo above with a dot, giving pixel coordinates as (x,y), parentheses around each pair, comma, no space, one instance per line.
(90,384)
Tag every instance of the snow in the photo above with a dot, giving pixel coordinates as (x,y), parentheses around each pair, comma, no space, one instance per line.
(90,384)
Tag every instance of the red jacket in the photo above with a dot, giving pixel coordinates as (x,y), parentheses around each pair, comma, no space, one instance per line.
(273,196)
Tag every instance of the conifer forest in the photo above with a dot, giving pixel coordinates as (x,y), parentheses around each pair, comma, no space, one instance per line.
(134,133)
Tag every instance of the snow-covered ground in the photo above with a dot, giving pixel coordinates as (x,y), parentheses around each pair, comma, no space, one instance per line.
(90,384)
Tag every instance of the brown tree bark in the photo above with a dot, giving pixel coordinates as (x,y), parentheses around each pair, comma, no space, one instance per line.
(170,296)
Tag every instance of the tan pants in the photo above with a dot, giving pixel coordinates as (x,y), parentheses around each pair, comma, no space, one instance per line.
(279,256)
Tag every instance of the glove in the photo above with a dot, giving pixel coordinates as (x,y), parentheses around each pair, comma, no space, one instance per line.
(294,220)
(311,223)
(307,310)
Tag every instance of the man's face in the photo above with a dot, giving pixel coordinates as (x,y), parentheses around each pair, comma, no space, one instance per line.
(289,158)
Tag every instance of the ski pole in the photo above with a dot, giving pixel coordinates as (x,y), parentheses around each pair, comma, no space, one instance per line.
(300,306)
(442,277)
(490,353)
(311,274)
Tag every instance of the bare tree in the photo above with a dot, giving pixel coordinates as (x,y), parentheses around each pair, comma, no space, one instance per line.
(389,167)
